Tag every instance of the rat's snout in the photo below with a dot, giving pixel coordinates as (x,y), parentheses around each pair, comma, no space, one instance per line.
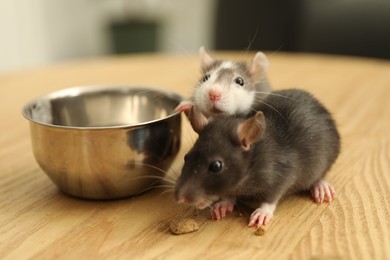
(179,197)
(184,196)
(214,95)
(181,200)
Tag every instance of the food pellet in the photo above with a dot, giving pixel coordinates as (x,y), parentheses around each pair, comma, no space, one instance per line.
(260,231)
(180,226)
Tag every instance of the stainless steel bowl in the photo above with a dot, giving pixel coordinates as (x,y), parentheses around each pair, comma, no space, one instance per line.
(105,142)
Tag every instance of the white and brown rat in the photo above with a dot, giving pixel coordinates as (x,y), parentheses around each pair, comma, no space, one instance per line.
(227,87)
(286,147)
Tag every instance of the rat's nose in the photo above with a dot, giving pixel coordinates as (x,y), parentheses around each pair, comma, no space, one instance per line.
(179,197)
(214,95)
(181,200)
(182,197)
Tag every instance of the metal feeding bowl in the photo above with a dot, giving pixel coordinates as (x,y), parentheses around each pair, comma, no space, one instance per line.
(105,142)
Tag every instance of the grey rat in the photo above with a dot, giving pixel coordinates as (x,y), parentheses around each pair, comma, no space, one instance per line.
(227,87)
(285,147)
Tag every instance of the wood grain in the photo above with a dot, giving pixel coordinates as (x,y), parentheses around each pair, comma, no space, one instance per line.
(39,222)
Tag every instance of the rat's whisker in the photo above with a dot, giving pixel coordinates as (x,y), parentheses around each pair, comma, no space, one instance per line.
(165,186)
(171,179)
(270,106)
(184,50)
(257,82)
(246,50)
(276,51)
(273,94)
(165,192)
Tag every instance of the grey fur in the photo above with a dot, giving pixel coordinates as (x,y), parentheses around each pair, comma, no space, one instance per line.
(299,145)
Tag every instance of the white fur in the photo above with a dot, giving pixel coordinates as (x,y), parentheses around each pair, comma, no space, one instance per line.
(234,99)
(226,65)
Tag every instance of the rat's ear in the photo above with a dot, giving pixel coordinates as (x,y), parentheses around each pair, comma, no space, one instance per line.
(205,59)
(258,68)
(197,119)
(251,130)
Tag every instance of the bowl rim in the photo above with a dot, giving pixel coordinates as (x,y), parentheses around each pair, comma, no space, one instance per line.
(77,90)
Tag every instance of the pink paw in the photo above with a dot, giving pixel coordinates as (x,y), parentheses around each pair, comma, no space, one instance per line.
(323,191)
(184,106)
(221,209)
(261,216)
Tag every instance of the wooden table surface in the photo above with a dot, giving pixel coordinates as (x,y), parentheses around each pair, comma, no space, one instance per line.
(39,222)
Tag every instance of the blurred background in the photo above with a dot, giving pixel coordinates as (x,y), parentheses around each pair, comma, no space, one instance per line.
(40,32)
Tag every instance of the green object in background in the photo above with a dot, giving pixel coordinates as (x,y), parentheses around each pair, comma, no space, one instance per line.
(134,36)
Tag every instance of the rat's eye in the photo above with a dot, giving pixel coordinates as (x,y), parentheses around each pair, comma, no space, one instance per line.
(205,77)
(215,166)
(239,81)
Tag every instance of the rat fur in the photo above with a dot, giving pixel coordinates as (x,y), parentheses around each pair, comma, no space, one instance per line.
(287,146)
(227,87)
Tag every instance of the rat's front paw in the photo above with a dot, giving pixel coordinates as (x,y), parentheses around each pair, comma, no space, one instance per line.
(262,215)
(323,191)
(222,209)
(184,106)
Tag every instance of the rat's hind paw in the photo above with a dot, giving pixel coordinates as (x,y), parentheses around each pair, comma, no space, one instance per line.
(222,209)
(322,191)
(184,106)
